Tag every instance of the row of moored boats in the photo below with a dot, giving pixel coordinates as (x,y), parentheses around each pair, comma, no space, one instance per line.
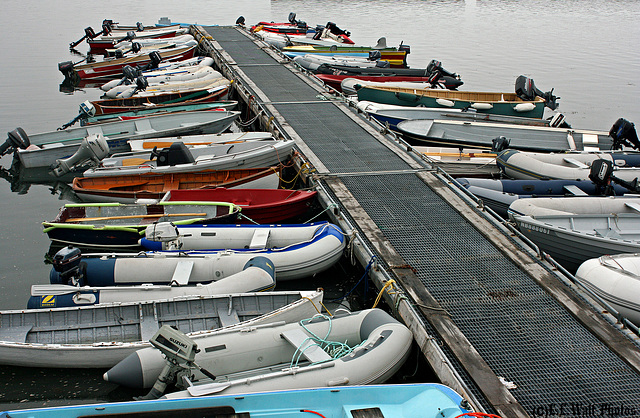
(166,262)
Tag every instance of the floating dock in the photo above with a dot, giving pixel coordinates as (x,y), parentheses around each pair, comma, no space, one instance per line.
(495,321)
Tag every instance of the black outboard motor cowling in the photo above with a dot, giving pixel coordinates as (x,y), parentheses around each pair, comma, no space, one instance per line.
(405,48)
(526,90)
(131,73)
(177,153)
(601,173)
(141,83)
(499,144)
(15,139)
(374,55)
(436,65)
(155,59)
(333,28)
(67,263)
(623,132)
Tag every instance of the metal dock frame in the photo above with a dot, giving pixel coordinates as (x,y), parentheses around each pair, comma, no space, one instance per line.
(483,308)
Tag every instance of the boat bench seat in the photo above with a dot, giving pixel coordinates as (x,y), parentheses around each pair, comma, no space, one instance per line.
(182,272)
(574,190)
(15,334)
(607,233)
(143,126)
(633,205)
(228,317)
(306,346)
(259,239)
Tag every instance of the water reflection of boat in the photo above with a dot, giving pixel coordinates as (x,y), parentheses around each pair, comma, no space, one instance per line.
(21,179)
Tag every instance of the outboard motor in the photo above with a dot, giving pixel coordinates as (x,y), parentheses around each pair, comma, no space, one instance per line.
(499,144)
(66,68)
(88,34)
(136,47)
(177,153)
(526,90)
(436,65)
(131,73)
(623,132)
(601,173)
(434,79)
(92,150)
(240,21)
(107,26)
(179,352)
(374,55)
(383,64)
(15,139)
(403,47)
(333,28)
(155,59)
(161,232)
(87,110)
(68,267)
(139,26)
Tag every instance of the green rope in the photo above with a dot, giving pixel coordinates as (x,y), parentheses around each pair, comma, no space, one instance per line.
(335,349)
(332,205)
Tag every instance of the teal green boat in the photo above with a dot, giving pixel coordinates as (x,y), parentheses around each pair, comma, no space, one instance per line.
(508,104)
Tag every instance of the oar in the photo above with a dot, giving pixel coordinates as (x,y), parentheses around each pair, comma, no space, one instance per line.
(158,215)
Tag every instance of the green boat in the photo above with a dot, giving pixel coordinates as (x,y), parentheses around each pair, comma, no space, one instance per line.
(508,104)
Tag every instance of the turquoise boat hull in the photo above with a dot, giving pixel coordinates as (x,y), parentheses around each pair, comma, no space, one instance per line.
(398,401)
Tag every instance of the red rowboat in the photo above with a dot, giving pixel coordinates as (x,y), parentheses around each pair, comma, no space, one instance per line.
(133,188)
(263,206)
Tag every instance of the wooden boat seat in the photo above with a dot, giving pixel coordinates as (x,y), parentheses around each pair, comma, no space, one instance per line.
(127,162)
(259,239)
(306,346)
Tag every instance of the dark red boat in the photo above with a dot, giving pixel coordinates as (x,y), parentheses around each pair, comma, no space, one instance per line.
(264,206)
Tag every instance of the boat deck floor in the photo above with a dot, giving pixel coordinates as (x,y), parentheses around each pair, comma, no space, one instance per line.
(522,332)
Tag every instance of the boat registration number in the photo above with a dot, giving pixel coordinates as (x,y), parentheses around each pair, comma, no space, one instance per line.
(535,228)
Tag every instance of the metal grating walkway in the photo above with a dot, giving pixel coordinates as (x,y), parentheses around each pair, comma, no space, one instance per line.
(523,333)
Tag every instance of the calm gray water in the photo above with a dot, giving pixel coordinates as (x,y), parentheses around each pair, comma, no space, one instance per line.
(587,50)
